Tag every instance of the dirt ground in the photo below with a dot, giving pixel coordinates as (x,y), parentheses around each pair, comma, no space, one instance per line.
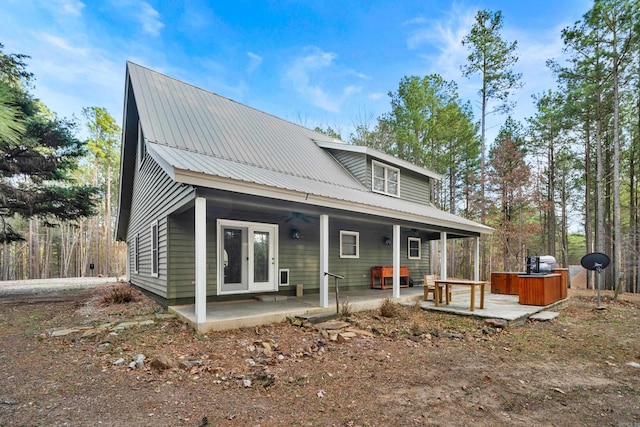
(414,368)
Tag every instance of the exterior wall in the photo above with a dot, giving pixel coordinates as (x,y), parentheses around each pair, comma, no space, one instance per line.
(413,186)
(373,252)
(155,195)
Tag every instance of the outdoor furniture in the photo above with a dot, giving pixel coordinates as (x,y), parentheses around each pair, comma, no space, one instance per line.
(540,289)
(429,285)
(386,272)
(462,282)
(505,283)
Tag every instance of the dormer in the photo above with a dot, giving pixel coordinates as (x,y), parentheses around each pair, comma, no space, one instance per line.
(382,173)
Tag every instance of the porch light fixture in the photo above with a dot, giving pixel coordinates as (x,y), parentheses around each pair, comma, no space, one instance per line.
(387,241)
(295,233)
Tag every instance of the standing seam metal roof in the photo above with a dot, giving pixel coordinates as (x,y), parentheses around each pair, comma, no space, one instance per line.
(193,130)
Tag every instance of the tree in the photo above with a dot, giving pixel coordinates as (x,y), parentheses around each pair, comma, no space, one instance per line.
(103,144)
(492,58)
(35,165)
(509,179)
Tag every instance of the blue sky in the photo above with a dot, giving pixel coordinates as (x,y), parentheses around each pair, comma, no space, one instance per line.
(327,63)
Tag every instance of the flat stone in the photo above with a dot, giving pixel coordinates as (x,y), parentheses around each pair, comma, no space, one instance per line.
(146,322)
(126,325)
(332,325)
(63,332)
(498,323)
(543,316)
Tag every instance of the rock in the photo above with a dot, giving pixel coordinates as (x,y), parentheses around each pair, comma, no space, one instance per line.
(348,334)
(246,383)
(146,322)
(63,332)
(414,338)
(139,360)
(165,316)
(188,364)
(125,325)
(104,347)
(633,364)
(118,362)
(332,325)
(162,362)
(497,323)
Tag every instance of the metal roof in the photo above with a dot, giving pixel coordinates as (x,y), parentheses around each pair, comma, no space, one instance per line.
(201,138)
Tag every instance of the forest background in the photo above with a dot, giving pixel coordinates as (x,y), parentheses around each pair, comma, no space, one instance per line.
(564,182)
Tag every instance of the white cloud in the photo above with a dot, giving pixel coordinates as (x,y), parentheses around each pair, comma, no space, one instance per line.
(376,96)
(71,7)
(149,18)
(311,73)
(254,62)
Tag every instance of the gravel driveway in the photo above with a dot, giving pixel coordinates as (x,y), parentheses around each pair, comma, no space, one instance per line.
(37,286)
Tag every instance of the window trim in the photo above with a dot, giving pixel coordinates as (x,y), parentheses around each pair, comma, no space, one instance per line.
(356,234)
(386,169)
(414,239)
(136,253)
(155,249)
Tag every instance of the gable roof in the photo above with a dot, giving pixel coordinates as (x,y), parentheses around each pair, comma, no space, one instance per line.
(206,140)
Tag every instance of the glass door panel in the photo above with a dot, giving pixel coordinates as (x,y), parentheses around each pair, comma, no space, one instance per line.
(235,259)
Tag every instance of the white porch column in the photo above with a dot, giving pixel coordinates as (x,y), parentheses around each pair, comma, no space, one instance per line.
(443,255)
(476,261)
(201,259)
(324,260)
(396,261)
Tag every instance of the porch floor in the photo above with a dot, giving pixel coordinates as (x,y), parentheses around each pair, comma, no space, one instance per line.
(248,313)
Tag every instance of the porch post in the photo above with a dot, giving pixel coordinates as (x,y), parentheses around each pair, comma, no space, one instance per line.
(324,260)
(201,259)
(476,261)
(443,255)
(396,261)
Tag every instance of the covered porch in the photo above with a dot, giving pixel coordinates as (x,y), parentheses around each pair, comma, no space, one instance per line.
(248,313)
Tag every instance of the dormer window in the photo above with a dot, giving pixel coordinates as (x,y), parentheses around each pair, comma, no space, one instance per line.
(142,149)
(385,179)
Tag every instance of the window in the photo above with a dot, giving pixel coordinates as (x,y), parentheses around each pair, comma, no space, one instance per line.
(154,249)
(349,243)
(414,250)
(142,149)
(385,179)
(136,253)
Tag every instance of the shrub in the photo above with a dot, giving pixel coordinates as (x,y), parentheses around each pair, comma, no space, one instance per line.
(118,295)
(346,309)
(388,308)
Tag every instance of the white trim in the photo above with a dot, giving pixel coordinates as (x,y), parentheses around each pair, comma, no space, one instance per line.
(443,255)
(386,168)
(272,283)
(357,236)
(414,239)
(155,242)
(136,253)
(341,146)
(324,260)
(200,229)
(396,261)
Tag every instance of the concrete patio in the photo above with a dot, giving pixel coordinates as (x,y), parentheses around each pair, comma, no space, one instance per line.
(274,308)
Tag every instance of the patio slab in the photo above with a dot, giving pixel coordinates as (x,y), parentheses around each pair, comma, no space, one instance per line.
(250,313)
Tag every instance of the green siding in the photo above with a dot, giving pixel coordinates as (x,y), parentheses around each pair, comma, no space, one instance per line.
(413,186)
(154,196)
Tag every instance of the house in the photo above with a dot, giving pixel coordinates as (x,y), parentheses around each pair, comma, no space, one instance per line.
(220,201)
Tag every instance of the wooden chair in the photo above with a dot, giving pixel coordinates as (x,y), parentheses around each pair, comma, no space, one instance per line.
(430,286)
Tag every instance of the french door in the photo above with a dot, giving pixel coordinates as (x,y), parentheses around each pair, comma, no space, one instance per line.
(247,259)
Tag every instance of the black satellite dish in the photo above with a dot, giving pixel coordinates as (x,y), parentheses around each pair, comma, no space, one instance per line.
(595,261)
